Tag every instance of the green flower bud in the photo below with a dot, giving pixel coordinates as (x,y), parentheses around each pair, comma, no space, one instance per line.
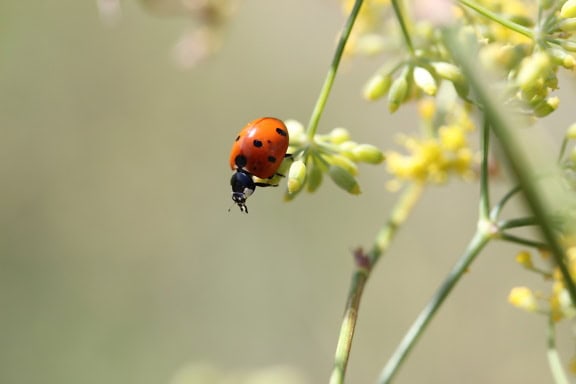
(377,87)
(568,25)
(547,106)
(314,175)
(368,154)
(344,179)
(532,69)
(568,9)
(343,162)
(571,132)
(425,81)
(339,135)
(397,93)
(561,57)
(347,149)
(448,71)
(568,45)
(296,131)
(296,176)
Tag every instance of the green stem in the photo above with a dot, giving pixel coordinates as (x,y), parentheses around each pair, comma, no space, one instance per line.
(554,357)
(400,16)
(364,264)
(477,243)
(498,208)
(497,18)
(523,241)
(515,223)
(484,189)
(329,81)
(562,149)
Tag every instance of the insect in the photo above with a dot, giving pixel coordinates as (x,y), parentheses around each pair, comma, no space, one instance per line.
(258,151)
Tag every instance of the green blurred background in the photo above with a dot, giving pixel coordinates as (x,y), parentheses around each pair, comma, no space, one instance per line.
(119,262)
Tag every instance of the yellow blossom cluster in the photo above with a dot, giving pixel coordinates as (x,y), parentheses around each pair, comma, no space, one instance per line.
(442,151)
(556,303)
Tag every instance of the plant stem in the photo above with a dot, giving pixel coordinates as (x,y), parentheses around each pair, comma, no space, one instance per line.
(400,17)
(515,223)
(497,18)
(553,356)
(484,190)
(329,81)
(364,265)
(523,241)
(477,243)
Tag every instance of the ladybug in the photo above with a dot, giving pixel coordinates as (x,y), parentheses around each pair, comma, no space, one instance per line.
(258,151)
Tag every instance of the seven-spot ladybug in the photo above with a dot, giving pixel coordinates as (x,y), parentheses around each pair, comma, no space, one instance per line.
(258,151)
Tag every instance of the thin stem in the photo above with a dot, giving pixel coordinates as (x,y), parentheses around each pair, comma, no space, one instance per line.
(516,223)
(397,217)
(497,18)
(562,149)
(554,357)
(523,241)
(498,208)
(329,81)
(364,265)
(348,326)
(477,243)
(400,17)
(484,189)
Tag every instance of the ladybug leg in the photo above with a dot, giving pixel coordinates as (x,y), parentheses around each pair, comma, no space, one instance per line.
(286,156)
(263,185)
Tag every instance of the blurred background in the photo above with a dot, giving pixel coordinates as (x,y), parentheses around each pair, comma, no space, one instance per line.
(119,260)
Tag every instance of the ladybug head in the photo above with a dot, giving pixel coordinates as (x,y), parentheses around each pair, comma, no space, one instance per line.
(242,187)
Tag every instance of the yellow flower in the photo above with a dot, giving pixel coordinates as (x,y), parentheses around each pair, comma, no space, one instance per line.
(524,259)
(523,298)
(452,137)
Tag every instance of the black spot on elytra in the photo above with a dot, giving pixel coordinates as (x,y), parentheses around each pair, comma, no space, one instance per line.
(240,161)
(281,132)
(237,138)
(271,159)
(257,143)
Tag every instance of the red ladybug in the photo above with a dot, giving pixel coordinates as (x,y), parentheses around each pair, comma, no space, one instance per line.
(258,151)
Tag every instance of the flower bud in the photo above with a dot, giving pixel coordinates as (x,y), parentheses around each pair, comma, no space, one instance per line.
(568,45)
(532,69)
(344,162)
(568,25)
(546,106)
(314,176)
(425,81)
(568,9)
(296,176)
(296,131)
(397,93)
(344,179)
(367,153)
(524,259)
(377,87)
(448,71)
(571,132)
(561,57)
(339,135)
(523,298)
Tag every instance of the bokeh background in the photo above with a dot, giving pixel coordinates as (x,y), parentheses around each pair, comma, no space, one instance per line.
(119,260)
